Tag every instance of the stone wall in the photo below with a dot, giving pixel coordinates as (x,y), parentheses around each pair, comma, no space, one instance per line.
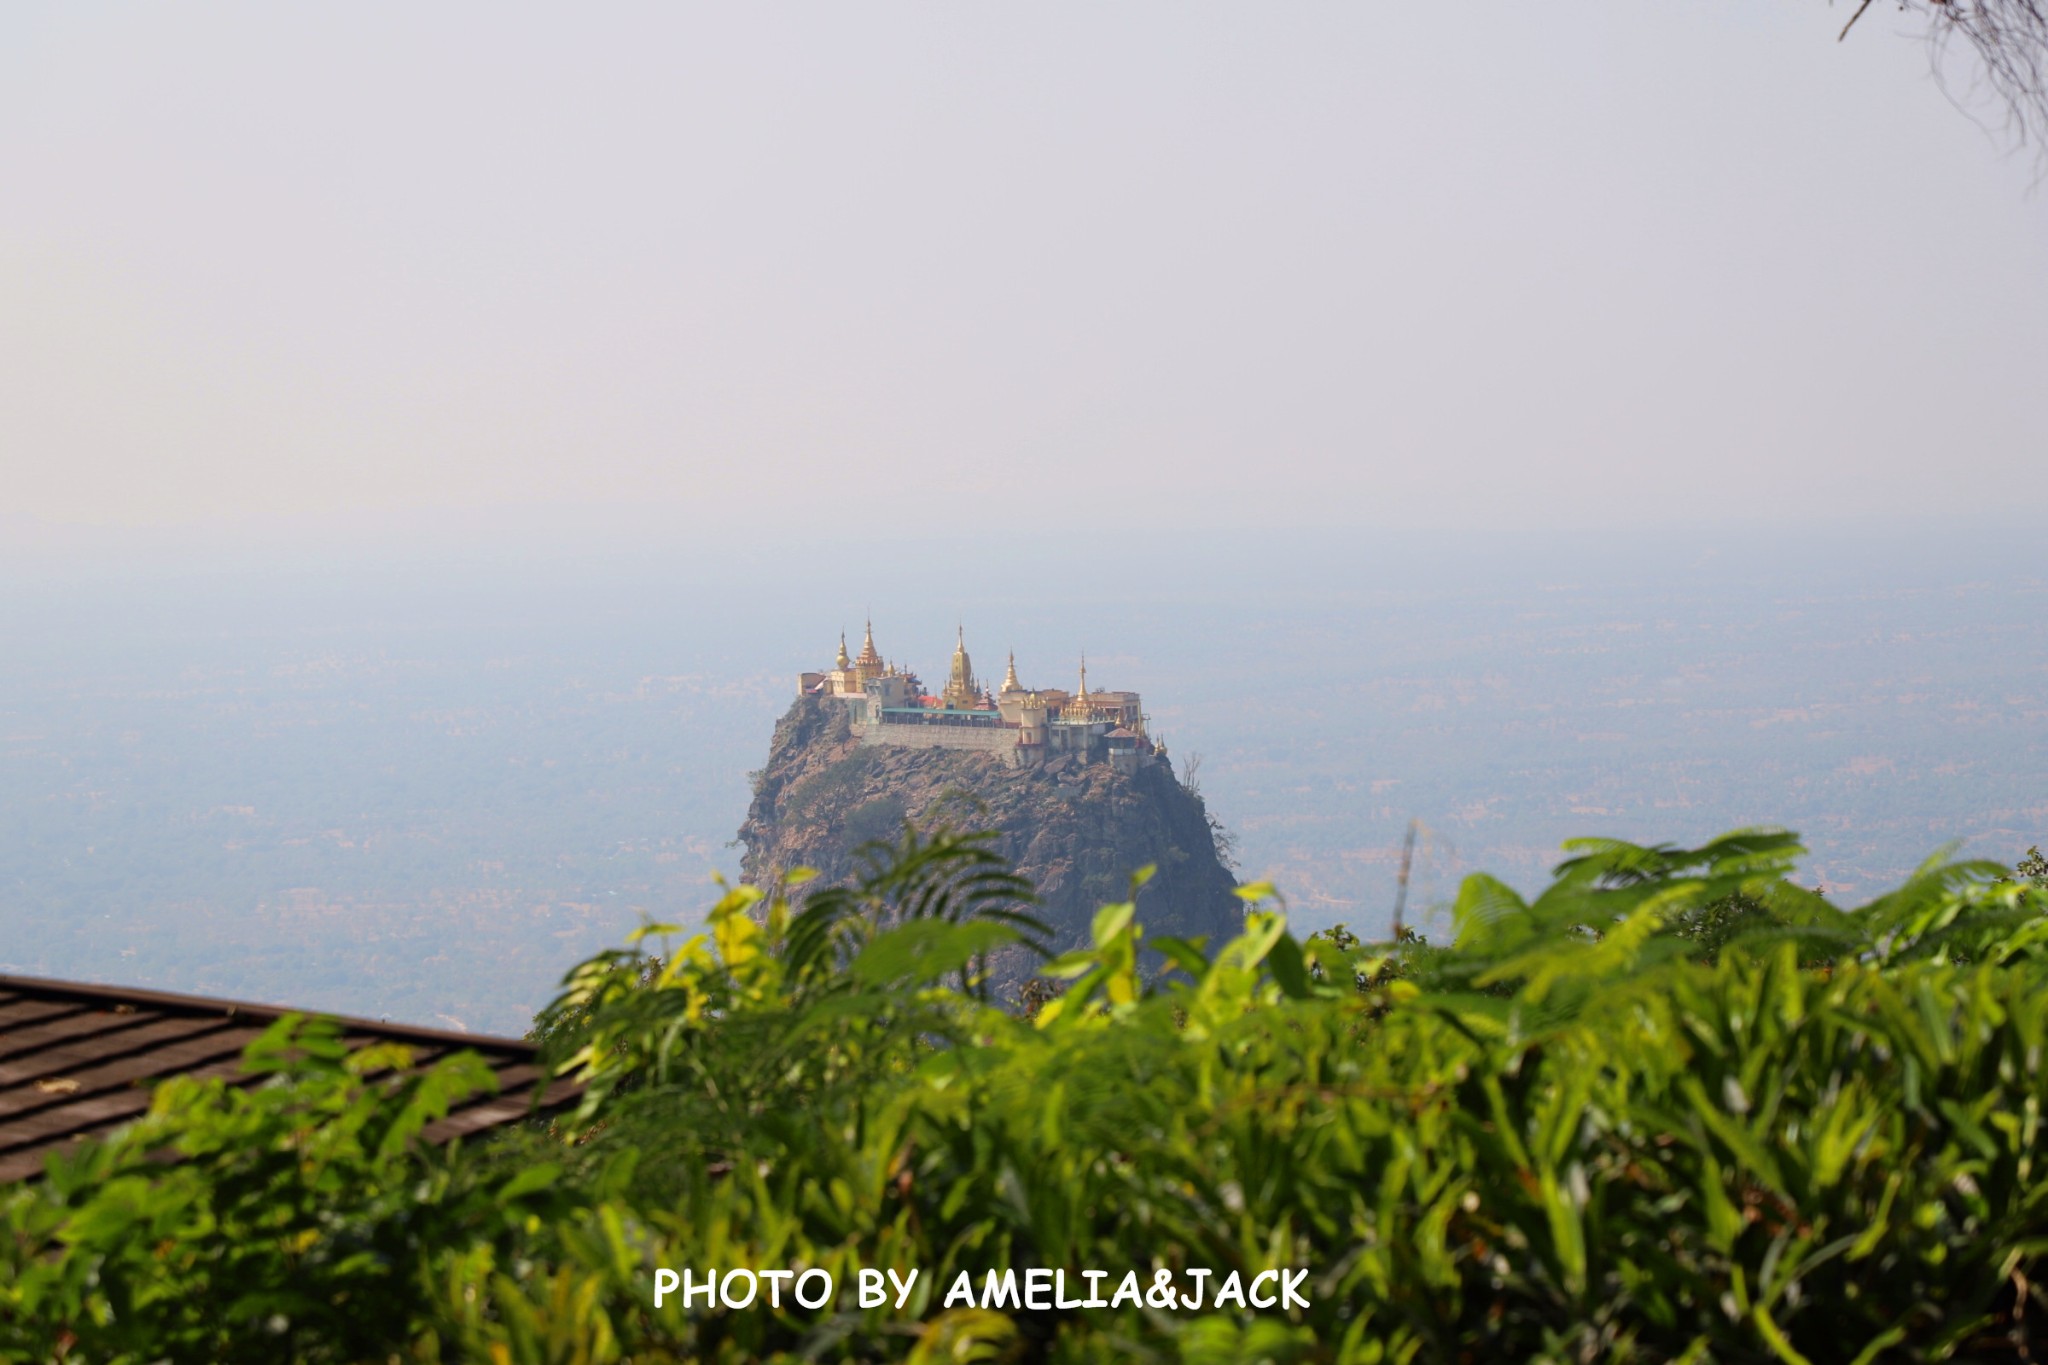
(988,740)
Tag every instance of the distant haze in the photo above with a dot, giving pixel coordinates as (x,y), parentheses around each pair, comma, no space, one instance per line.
(432,438)
(425,788)
(881,268)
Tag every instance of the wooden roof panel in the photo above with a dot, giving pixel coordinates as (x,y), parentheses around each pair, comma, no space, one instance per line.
(95,1024)
(19,1009)
(79,1061)
(153,1039)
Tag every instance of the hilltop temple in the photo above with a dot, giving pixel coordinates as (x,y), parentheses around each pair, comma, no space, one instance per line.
(1020,725)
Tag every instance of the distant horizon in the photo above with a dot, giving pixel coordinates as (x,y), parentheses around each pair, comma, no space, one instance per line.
(348,780)
(573,535)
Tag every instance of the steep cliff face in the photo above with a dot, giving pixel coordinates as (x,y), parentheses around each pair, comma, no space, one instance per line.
(1077,830)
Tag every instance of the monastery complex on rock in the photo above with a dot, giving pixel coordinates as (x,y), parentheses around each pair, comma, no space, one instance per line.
(1020,725)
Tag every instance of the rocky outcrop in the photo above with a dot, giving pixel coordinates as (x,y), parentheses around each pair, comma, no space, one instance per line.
(1077,830)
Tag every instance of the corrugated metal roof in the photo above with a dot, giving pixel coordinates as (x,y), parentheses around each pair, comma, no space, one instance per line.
(79,1061)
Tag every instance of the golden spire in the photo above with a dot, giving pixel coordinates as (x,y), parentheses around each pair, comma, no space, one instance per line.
(868,657)
(1080,707)
(961,694)
(1010,683)
(843,661)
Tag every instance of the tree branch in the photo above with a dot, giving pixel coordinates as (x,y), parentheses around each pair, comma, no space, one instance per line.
(2008,40)
(1852,20)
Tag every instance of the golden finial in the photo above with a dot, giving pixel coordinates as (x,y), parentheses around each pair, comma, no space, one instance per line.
(843,661)
(1010,683)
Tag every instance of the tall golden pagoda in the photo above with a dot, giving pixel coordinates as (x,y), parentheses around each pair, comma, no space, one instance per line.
(961,694)
(869,664)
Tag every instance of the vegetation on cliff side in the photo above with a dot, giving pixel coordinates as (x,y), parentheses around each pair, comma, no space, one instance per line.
(1600,1125)
(1074,829)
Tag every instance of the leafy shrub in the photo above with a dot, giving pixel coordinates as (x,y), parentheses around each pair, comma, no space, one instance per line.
(286,1221)
(1618,1122)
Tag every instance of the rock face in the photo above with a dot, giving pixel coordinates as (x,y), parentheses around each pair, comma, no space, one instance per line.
(1077,830)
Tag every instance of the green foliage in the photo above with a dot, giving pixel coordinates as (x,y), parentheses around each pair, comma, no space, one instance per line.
(2033,868)
(874,821)
(281,1221)
(1674,1107)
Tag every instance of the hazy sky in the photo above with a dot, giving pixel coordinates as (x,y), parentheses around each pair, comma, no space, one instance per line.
(1419,265)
